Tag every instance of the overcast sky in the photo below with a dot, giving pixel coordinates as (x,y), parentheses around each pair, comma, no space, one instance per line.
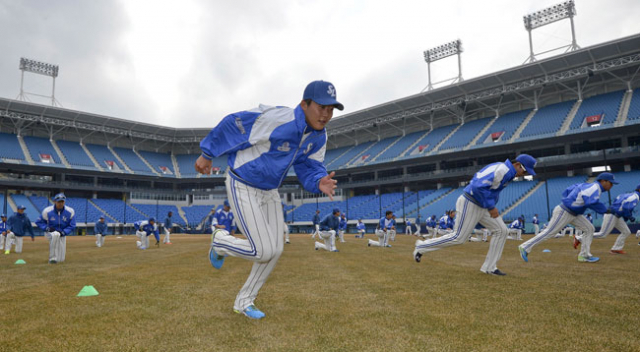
(189,63)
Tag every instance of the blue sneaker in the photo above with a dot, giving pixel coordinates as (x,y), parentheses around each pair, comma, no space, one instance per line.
(335,250)
(523,254)
(215,259)
(582,259)
(251,312)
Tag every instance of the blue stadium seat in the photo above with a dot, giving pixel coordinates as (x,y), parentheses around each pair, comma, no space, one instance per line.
(104,157)
(196,213)
(31,211)
(133,161)
(40,146)
(606,105)
(374,151)
(159,161)
(465,134)
(400,146)
(74,154)
(343,160)
(39,202)
(10,147)
(507,124)
(117,210)
(633,116)
(547,120)
(428,142)
(160,212)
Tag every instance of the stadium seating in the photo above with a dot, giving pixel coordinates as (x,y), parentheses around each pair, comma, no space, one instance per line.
(196,213)
(439,207)
(133,161)
(185,164)
(547,120)
(160,212)
(40,146)
(332,154)
(10,147)
(464,134)
(400,146)
(31,211)
(633,116)
(74,154)
(159,161)
(352,153)
(103,156)
(117,210)
(372,152)
(39,202)
(428,142)
(507,124)
(607,105)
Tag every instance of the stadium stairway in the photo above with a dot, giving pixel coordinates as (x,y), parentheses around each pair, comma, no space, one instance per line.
(93,159)
(176,169)
(412,146)
(524,124)
(481,133)
(435,149)
(146,162)
(103,211)
(126,167)
(522,199)
(183,216)
(25,150)
(570,116)
(60,154)
(624,109)
(12,206)
(385,149)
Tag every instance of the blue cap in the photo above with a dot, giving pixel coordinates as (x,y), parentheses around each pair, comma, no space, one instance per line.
(152,219)
(226,203)
(638,186)
(20,207)
(607,176)
(60,196)
(101,217)
(3,216)
(528,162)
(336,210)
(323,93)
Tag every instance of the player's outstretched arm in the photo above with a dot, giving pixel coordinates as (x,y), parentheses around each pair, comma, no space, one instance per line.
(328,185)
(203,165)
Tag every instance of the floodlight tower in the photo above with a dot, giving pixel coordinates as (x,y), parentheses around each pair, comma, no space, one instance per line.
(441,52)
(547,16)
(41,68)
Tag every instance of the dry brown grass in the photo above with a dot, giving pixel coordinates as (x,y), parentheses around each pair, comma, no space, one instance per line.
(361,299)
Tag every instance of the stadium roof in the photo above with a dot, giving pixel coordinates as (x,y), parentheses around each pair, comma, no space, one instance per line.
(510,84)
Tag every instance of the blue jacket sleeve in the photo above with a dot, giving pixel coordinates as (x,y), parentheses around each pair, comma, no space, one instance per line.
(309,173)
(69,229)
(485,193)
(594,203)
(41,223)
(231,134)
(628,207)
(29,228)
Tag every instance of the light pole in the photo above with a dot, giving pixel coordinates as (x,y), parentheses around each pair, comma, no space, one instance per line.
(547,16)
(439,53)
(40,68)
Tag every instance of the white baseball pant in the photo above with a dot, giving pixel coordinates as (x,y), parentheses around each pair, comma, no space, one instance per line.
(316,232)
(167,234)
(57,246)
(286,232)
(470,215)
(559,220)
(536,229)
(417,229)
(12,240)
(360,234)
(516,232)
(329,238)
(143,240)
(408,230)
(392,235)
(259,214)
(431,232)
(99,240)
(383,238)
(341,235)
(2,238)
(609,222)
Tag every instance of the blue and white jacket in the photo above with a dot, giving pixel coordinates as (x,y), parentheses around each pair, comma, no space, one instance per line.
(535,220)
(360,226)
(222,217)
(408,222)
(343,223)
(101,228)
(387,224)
(486,185)
(20,224)
(625,204)
(262,144)
(446,222)
(431,222)
(580,196)
(3,228)
(145,226)
(52,219)
(516,225)
(316,219)
(330,222)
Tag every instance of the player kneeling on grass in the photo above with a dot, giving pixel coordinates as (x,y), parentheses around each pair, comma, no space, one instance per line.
(17,226)
(57,221)
(168,224)
(3,230)
(616,216)
(101,229)
(329,226)
(576,199)
(361,229)
(386,228)
(144,229)
(478,204)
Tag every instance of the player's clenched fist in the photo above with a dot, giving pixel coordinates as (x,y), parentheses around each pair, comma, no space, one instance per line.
(203,165)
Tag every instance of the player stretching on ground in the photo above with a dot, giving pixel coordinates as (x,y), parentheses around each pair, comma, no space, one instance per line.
(361,229)
(316,224)
(478,204)
(575,201)
(3,230)
(144,229)
(223,219)
(262,145)
(617,215)
(329,226)
(386,227)
(17,226)
(57,221)
(168,224)
(100,230)
(343,227)
(432,227)
(515,229)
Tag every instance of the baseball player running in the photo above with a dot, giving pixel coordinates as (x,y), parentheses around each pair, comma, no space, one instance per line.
(17,226)
(144,229)
(386,228)
(262,145)
(100,230)
(576,199)
(3,230)
(361,229)
(478,204)
(167,226)
(57,221)
(329,226)
(616,216)
(316,224)
(343,227)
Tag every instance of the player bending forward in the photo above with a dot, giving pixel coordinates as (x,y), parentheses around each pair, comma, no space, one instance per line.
(100,230)
(57,221)
(575,201)
(329,226)
(478,204)
(3,230)
(386,230)
(262,144)
(361,229)
(144,229)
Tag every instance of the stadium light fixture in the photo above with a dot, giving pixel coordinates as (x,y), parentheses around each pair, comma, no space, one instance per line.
(547,16)
(40,68)
(439,53)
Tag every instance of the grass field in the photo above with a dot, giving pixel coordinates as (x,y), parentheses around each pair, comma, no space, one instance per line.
(360,299)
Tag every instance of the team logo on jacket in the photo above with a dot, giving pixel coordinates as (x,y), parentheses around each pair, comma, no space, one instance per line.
(240,126)
(331,91)
(309,146)
(284,147)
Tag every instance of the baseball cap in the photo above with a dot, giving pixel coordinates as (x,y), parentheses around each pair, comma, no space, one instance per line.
(101,217)
(20,207)
(60,196)
(323,93)
(638,186)
(152,219)
(607,176)
(336,210)
(3,216)
(226,203)
(528,162)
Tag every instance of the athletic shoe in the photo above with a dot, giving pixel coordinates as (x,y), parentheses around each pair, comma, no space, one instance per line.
(576,242)
(618,251)
(582,259)
(52,262)
(287,242)
(496,272)
(215,259)
(168,243)
(335,250)
(7,251)
(369,245)
(389,245)
(523,254)
(417,256)
(251,312)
